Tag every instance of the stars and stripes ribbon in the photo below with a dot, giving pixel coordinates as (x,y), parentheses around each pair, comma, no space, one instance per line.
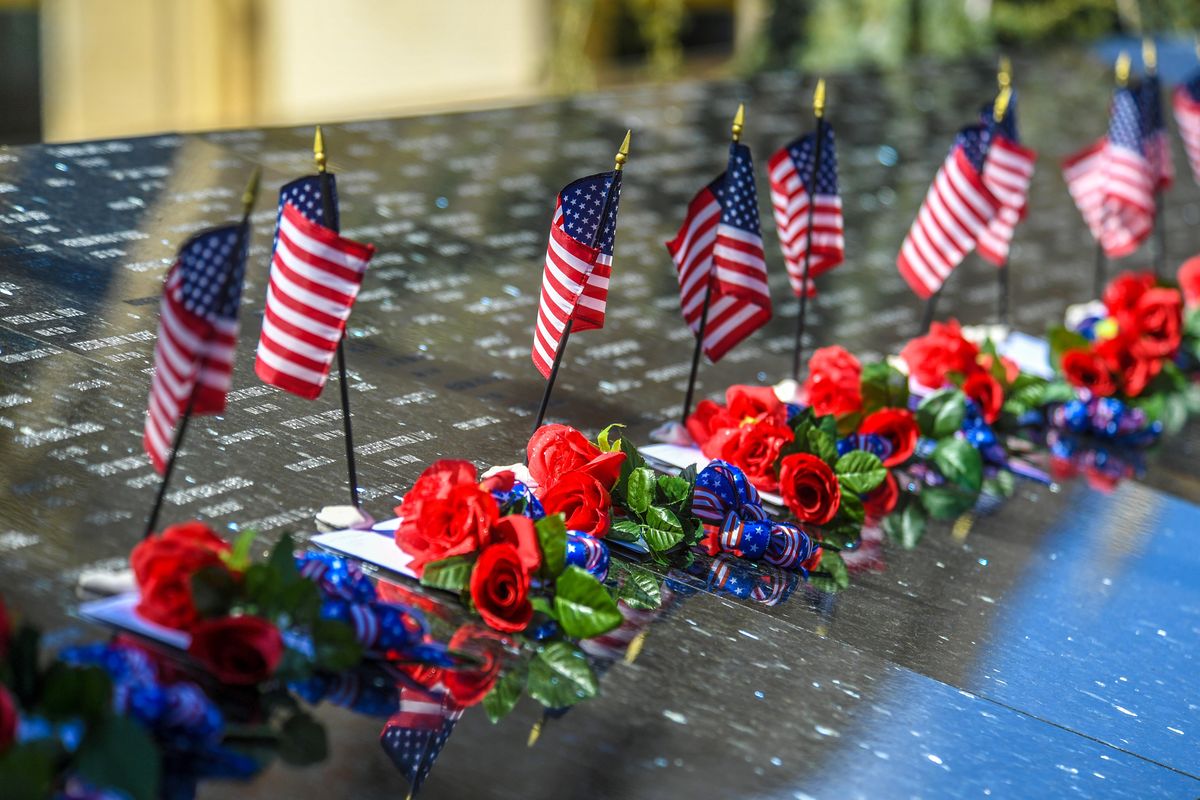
(1186,102)
(414,736)
(315,277)
(1007,171)
(1155,140)
(578,263)
(719,245)
(957,209)
(793,198)
(197,335)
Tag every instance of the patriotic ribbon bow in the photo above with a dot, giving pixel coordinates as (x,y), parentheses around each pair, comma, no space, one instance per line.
(588,553)
(770,587)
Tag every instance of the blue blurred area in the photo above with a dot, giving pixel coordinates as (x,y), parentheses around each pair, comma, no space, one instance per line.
(1177,59)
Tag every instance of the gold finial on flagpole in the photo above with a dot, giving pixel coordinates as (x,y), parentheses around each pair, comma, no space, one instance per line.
(1149,55)
(1004,73)
(635,647)
(1122,69)
(1004,79)
(623,153)
(319,150)
(251,193)
(739,119)
(819,99)
(535,733)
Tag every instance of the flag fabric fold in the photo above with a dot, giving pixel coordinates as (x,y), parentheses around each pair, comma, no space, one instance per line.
(578,263)
(1186,102)
(315,277)
(1156,142)
(720,244)
(1007,171)
(1129,179)
(791,173)
(197,335)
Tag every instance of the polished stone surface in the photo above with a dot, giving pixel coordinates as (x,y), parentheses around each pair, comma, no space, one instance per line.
(1043,649)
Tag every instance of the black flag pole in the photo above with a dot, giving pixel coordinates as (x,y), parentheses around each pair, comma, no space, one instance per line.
(1004,78)
(177,442)
(739,121)
(801,318)
(621,157)
(1099,272)
(931,308)
(1150,61)
(330,220)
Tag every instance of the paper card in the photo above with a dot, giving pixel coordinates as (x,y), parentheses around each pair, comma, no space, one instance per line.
(684,457)
(1030,353)
(376,546)
(120,611)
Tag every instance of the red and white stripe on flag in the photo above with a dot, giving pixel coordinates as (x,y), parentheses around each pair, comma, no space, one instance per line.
(191,355)
(1007,170)
(790,200)
(705,250)
(1084,174)
(957,208)
(574,287)
(1129,206)
(1187,116)
(315,277)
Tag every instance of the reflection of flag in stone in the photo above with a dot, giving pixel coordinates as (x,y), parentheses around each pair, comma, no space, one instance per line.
(1186,102)
(415,735)
(1154,133)
(1007,170)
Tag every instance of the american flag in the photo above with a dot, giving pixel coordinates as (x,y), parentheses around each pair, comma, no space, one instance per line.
(720,242)
(578,263)
(315,276)
(415,735)
(1084,173)
(791,172)
(197,335)
(1007,170)
(1154,133)
(956,210)
(1186,101)
(1129,180)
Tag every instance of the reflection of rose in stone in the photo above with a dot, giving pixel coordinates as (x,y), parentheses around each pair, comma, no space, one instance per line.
(469,686)
(241,650)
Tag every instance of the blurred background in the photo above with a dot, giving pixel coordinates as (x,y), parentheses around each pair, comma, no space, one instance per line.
(81,69)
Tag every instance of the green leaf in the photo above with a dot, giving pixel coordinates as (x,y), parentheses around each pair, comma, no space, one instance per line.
(639,491)
(504,694)
(552,539)
(626,530)
(213,591)
(23,662)
(302,741)
(118,753)
(1002,484)
(606,444)
(946,502)
(960,463)
(906,526)
(27,769)
(838,576)
(676,490)
(335,648)
(822,444)
(851,508)
(451,574)
(883,386)
(560,676)
(584,608)
(633,460)
(238,558)
(641,589)
(842,532)
(663,529)
(283,556)
(1061,340)
(941,413)
(859,471)
(542,605)
(71,692)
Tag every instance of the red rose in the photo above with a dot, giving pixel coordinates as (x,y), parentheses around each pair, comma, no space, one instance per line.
(502,481)
(1189,281)
(746,404)
(520,533)
(584,503)
(809,487)
(500,588)
(987,394)
(1159,314)
(1086,370)
(707,420)
(555,450)
(899,427)
(8,720)
(445,514)
(1122,293)
(881,500)
(163,566)
(1133,371)
(834,384)
(241,651)
(1009,367)
(932,357)
(754,449)
(469,686)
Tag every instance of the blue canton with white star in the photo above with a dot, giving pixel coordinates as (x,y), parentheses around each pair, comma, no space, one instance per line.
(305,194)
(1192,87)
(974,141)
(1007,127)
(1151,105)
(735,191)
(1125,126)
(803,153)
(414,751)
(212,273)
(582,204)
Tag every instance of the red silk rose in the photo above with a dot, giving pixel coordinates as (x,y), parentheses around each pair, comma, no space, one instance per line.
(469,686)
(163,566)
(809,488)
(584,503)
(241,651)
(1132,370)
(502,481)
(746,404)
(834,382)
(555,450)
(1086,370)
(707,420)
(1159,314)
(754,449)
(899,427)
(8,720)
(520,533)
(930,358)
(1189,281)
(445,514)
(987,394)
(1123,292)
(500,588)
(881,500)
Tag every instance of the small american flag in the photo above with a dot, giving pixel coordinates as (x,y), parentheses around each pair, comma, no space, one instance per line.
(415,735)
(720,242)
(790,171)
(1007,171)
(197,335)
(957,209)
(1129,180)
(1154,133)
(578,263)
(1084,173)
(315,276)
(1186,101)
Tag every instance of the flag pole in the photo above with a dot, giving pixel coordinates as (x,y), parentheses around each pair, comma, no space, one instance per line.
(1004,78)
(819,113)
(739,121)
(930,308)
(177,442)
(329,220)
(1150,60)
(621,157)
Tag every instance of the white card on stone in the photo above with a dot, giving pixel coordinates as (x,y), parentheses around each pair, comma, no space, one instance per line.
(1030,353)
(120,611)
(376,546)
